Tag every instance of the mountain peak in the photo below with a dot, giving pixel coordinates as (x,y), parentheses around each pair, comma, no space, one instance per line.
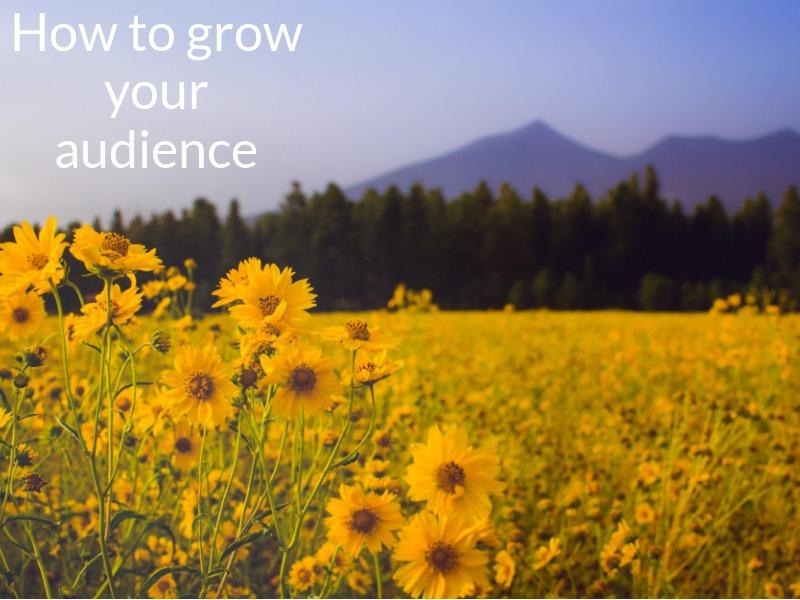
(537,129)
(691,168)
(538,126)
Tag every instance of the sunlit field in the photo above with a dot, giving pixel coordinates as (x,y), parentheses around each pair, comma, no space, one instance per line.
(266,450)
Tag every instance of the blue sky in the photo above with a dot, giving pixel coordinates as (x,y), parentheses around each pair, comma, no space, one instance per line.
(375,85)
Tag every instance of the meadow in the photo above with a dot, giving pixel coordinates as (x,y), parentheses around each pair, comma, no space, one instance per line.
(266,450)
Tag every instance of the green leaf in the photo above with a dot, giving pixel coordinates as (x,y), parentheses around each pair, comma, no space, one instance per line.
(130,385)
(123,516)
(68,429)
(31,518)
(248,539)
(159,573)
(347,460)
(265,513)
(166,529)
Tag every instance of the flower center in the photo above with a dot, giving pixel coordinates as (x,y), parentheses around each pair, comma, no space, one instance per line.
(268,305)
(116,243)
(20,315)
(357,330)
(302,379)
(199,385)
(183,445)
(24,458)
(442,557)
(164,586)
(368,368)
(363,521)
(448,476)
(270,330)
(37,260)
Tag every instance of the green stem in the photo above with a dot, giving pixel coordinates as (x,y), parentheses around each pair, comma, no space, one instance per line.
(367,435)
(323,592)
(226,491)
(65,367)
(128,421)
(37,555)
(89,457)
(110,395)
(12,454)
(320,479)
(199,523)
(378,576)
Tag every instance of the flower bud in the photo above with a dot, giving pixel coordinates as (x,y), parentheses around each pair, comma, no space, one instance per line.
(34,482)
(160,342)
(35,356)
(248,378)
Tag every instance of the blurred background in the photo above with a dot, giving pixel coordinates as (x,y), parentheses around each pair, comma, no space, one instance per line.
(562,154)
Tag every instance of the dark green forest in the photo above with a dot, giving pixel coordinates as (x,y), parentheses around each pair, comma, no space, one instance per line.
(629,249)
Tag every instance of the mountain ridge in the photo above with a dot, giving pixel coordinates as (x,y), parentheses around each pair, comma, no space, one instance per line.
(690,168)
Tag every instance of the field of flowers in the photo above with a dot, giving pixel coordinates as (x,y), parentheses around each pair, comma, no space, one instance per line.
(267,451)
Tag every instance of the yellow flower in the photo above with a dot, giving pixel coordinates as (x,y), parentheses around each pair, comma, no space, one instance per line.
(484,532)
(165,587)
(270,296)
(795,587)
(124,304)
(773,590)
(754,564)
(372,368)
(25,457)
(329,556)
(303,574)
(230,286)
(5,417)
(111,254)
(644,514)
(255,343)
(182,444)
(21,315)
(545,554)
(451,476)
(176,282)
(359,518)
(649,472)
(200,386)
(161,307)
(359,582)
(73,339)
(440,556)
(305,377)
(504,569)
(620,550)
(356,334)
(32,260)
(153,288)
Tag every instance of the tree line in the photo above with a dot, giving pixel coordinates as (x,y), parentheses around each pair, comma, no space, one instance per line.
(630,249)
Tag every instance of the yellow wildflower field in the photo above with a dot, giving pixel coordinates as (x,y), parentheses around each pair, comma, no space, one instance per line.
(265,450)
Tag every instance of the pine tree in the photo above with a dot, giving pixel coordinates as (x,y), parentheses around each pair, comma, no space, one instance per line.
(785,243)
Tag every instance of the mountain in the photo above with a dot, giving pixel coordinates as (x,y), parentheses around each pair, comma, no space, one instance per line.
(689,168)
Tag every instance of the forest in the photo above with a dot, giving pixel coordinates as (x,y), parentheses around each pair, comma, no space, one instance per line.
(629,249)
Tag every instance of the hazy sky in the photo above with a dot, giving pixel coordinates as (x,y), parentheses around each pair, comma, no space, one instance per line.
(375,85)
